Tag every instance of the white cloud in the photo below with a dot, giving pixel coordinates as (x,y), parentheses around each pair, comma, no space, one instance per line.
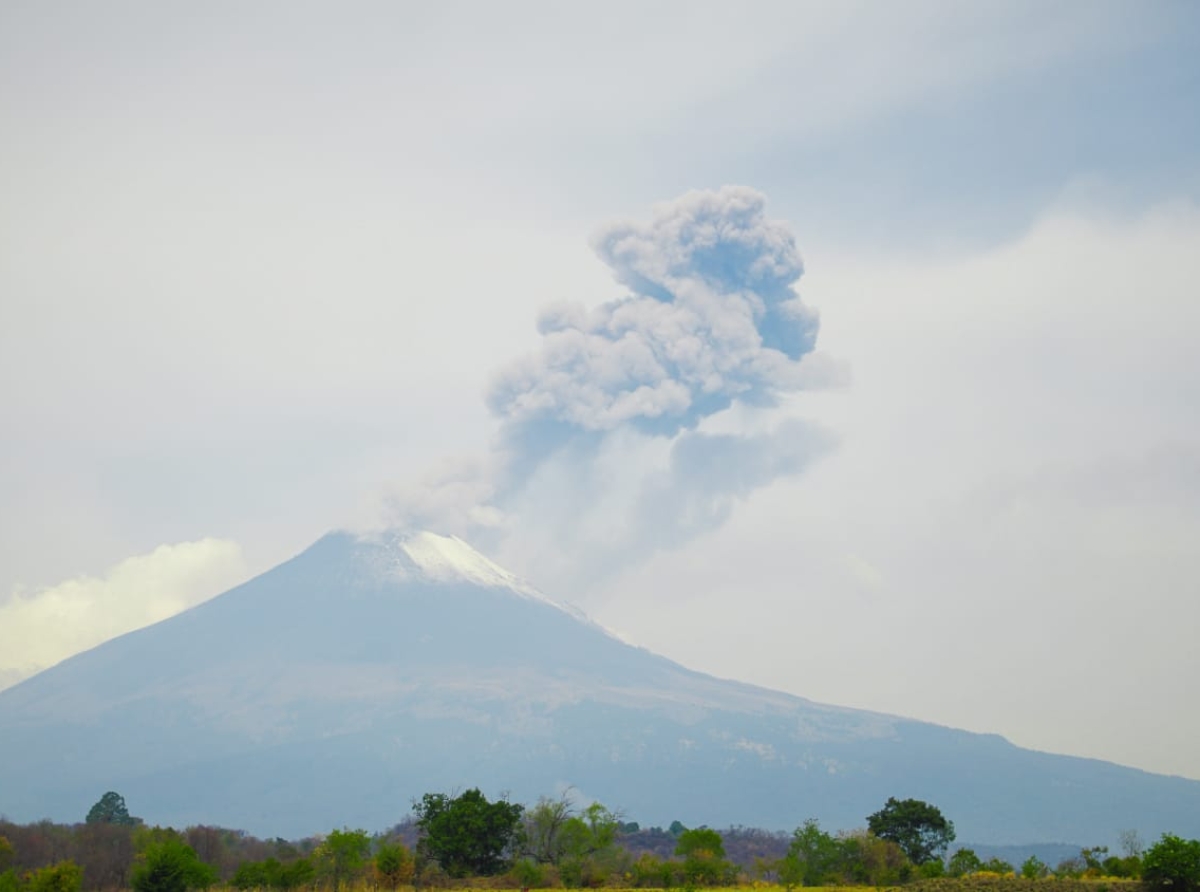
(42,627)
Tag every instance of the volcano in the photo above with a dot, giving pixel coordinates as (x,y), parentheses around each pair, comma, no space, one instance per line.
(343,684)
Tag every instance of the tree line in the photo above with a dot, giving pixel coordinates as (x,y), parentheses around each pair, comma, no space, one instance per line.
(452,839)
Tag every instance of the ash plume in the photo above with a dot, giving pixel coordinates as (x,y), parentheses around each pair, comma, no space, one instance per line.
(614,438)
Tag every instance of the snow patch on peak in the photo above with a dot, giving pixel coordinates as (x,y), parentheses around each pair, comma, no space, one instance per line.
(450,559)
(444,559)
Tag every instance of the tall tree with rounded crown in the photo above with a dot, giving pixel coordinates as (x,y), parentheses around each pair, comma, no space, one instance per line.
(920,829)
(110,809)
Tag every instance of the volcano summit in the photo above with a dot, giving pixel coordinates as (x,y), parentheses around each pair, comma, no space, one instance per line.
(344,683)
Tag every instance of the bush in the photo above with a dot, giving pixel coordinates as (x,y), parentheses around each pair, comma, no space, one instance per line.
(66,876)
(646,871)
(249,875)
(1129,867)
(997,866)
(931,870)
(963,862)
(528,874)
(171,866)
(1034,868)
(394,865)
(1070,868)
(1172,864)
(431,876)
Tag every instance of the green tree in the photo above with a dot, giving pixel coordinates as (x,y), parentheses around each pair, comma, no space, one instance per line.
(812,857)
(170,865)
(602,827)
(466,834)
(703,853)
(1033,868)
(931,870)
(589,851)
(8,877)
(1172,864)
(65,876)
(144,837)
(342,854)
(1070,868)
(110,809)
(997,865)
(1129,867)
(528,874)
(963,862)
(552,831)
(547,829)
(917,827)
(866,859)
(295,874)
(1094,859)
(702,839)
(251,875)
(650,870)
(271,874)
(394,865)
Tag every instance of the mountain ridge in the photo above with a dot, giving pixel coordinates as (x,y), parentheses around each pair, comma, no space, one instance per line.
(353,677)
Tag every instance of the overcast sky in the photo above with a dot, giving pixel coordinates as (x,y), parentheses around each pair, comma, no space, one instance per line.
(271,269)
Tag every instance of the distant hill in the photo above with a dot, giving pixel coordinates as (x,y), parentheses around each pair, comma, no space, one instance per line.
(335,688)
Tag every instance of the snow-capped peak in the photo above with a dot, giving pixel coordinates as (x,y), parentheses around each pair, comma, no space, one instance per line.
(449,558)
(445,559)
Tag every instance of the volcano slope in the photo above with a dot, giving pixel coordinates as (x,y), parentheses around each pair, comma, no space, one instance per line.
(344,683)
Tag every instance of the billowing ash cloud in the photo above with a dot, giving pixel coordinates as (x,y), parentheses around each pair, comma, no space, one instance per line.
(604,453)
(712,316)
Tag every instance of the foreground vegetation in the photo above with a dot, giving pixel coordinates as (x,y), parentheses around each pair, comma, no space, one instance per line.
(465,841)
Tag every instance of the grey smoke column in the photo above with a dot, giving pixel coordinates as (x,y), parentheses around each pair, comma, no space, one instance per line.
(712,316)
(603,455)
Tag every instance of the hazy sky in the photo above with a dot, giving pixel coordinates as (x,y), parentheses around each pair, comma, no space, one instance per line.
(270,269)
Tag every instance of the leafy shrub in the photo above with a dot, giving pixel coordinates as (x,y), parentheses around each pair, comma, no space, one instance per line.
(964,862)
(65,876)
(1070,868)
(1034,868)
(394,865)
(528,874)
(1172,864)
(997,866)
(171,866)
(931,870)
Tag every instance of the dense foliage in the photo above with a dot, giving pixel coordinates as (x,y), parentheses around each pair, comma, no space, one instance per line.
(453,838)
(111,809)
(919,828)
(1173,864)
(171,865)
(394,865)
(703,853)
(467,835)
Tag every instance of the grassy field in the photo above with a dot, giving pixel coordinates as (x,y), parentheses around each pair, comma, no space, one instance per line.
(964,884)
